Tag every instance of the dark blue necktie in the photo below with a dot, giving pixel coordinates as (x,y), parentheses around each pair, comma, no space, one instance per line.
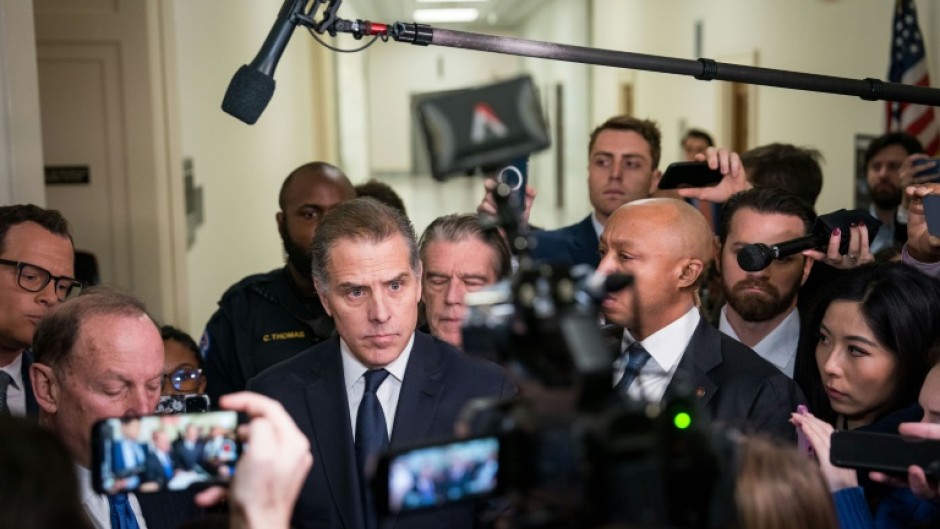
(5,381)
(122,517)
(637,357)
(371,436)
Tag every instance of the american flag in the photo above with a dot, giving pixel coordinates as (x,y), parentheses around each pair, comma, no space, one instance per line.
(909,66)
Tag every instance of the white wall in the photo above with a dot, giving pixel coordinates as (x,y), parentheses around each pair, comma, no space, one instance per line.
(21,174)
(240,167)
(840,38)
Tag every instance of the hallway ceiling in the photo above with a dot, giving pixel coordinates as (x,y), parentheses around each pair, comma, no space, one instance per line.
(504,14)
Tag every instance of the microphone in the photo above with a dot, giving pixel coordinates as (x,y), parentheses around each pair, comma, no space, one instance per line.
(756,257)
(252,85)
(597,285)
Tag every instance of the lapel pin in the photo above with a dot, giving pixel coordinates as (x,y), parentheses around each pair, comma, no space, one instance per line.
(700,392)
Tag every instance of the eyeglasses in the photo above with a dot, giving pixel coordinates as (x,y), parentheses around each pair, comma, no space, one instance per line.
(185,379)
(33,279)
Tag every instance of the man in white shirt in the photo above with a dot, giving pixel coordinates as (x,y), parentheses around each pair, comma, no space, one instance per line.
(97,356)
(36,273)
(761,307)
(668,349)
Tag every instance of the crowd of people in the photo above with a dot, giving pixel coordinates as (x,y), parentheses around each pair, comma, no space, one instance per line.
(353,347)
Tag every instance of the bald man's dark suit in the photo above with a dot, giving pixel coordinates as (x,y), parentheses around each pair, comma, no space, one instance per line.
(735,385)
(439,380)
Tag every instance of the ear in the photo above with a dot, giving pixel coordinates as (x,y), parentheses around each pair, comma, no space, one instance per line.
(202,386)
(654,182)
(45,387)
(807,267)
(419,276)
(691,271)
(279,217)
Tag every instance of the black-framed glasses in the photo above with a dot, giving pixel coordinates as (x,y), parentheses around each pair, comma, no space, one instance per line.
(34,278)
(184,378)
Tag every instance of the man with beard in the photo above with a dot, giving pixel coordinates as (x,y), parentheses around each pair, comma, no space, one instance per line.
(889,168)
(266,318)
(761,307)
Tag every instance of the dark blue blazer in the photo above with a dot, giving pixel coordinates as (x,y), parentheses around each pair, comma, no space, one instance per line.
(571,245)
(439,380)
(735,385)
(32,408)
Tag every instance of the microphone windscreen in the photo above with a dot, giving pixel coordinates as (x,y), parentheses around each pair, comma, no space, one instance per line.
(755,257)
(248,94)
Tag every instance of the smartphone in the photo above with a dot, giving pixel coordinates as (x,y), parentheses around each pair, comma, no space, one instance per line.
(436,475)
(164,452)
(932,213)
(689,174)
(933,172)
(171,404)
(515,175)
(888,453)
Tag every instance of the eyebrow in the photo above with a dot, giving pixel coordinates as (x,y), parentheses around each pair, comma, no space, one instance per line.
(862,339)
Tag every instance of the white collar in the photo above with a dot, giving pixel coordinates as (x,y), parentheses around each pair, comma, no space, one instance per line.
(598,227)
(353,368)
(667,345)
(779,346)
(15,370)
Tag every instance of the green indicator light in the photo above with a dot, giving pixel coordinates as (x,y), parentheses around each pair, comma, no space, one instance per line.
(682,420)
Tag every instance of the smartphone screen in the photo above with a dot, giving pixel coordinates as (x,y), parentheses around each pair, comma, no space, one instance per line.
(432,476)
(164,452)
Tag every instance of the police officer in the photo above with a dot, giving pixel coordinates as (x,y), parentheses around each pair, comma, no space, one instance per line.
(266,318)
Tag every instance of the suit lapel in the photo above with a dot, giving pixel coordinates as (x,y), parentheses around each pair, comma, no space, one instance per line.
(701,356)
(585,242)
(420,394)
(327,404)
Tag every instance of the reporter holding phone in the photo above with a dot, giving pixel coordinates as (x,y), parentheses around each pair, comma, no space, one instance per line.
(914,503)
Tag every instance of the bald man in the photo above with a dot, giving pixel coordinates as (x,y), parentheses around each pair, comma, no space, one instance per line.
(266,318)
(668,349)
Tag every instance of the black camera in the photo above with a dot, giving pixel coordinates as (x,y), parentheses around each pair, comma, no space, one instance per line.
(571,452)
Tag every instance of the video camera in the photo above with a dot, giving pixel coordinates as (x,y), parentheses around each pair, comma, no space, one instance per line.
(570,452)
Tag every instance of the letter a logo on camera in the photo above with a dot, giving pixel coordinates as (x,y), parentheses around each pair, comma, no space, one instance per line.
(485,123)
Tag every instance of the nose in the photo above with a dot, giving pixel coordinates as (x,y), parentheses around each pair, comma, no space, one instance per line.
(606,266)
(141,401)
(832,366)
(616,169)
(455,292)
(47,296)
(379,310)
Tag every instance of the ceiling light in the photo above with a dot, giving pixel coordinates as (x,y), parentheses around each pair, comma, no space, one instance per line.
(431,16)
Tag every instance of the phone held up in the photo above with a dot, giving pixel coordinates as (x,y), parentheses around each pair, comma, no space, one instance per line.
(436,475)
(888,453)
(689,174)
(164,452)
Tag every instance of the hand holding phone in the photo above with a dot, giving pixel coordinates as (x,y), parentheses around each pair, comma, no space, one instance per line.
(926,170)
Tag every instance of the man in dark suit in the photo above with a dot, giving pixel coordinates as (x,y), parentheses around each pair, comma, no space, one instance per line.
(623,161)
(100,355)
(668,348)
(378,384)
(37,269)
(188,449)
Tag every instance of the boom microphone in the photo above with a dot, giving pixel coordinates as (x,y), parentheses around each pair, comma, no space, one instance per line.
(756,257)
(252,85)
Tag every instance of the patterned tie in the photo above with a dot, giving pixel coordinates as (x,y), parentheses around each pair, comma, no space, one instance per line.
(5,381)
(371,436)
(637,357)
(122,517)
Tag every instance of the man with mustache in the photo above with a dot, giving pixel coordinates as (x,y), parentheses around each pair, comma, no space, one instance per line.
(266,318)
(761,307)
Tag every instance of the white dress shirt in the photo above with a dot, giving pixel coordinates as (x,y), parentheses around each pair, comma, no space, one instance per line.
(96,505)
(778,347)
(354,371)
(665,347)
(16,397)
